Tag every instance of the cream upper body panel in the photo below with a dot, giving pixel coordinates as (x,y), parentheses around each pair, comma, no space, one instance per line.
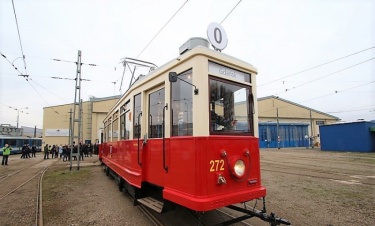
(197,59)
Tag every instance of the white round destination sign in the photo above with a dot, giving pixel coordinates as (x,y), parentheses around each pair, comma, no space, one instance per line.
(217,36)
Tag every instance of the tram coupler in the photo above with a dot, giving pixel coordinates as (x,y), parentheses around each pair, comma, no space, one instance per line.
(261,214)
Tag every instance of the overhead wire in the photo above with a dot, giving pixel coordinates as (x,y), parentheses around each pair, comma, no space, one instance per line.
(148,44)
(320,65)
(324,77)
(344,111)
(19,35)
(67,61)
(341,91)
(286,90)
(28,79)
(10,63)
(162,28)
(41,96)
(230,11)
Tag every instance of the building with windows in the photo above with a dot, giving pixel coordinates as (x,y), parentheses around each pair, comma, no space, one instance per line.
(283,123)
(56,120)
(24,131)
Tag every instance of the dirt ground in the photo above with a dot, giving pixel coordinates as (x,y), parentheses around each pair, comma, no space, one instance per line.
(305,186)
(311,187)
(86,197)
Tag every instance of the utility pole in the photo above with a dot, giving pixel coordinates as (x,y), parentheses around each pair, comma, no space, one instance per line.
(277,128)
(70,126)
(77,115)
(312,133)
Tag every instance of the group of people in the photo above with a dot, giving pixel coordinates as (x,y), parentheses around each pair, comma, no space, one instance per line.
(26,150)
(85,150)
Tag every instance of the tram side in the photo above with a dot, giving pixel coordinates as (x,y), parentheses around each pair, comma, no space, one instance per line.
(17,143)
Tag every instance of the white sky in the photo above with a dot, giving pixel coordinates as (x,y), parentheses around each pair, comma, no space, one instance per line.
(278,37)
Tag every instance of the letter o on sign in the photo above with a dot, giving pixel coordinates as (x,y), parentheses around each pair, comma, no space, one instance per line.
(217,36)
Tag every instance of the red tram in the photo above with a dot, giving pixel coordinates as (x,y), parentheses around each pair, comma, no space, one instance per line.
(186,133)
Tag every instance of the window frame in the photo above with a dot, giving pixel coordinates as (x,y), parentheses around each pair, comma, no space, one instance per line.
(249,108)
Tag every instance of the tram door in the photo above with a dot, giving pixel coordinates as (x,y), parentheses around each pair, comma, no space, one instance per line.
(154,114)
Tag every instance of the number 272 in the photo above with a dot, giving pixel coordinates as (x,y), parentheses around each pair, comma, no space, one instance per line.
(216,165)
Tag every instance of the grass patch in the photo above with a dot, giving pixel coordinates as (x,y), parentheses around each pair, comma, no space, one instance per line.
(61,179)
(64,174)
(60,186)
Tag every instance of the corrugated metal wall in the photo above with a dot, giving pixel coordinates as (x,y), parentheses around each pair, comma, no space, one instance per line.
(353,137)
(291,135)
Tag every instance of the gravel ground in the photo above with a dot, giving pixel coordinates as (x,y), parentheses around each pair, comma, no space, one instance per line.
(305,186)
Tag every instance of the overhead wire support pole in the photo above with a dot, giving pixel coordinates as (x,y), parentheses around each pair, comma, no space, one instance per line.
(312,131)
(277,128)
(77,116)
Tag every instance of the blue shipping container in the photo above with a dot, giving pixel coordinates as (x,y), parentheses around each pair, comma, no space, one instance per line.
(354,137)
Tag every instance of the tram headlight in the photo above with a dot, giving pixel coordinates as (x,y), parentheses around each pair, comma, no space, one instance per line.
(239,168)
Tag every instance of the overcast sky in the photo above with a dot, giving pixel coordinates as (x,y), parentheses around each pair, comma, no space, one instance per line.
(286,40)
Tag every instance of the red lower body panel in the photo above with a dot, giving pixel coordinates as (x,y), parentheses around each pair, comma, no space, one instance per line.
(213,202)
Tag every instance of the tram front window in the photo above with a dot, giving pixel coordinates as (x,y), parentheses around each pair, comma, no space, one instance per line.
(231,108)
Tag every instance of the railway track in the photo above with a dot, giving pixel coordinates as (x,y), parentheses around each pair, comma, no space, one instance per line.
(354,159)
(185,217)
(23,187)
(3,177)
(303,170)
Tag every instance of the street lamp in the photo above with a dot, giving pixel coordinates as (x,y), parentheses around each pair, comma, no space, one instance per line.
(18,113)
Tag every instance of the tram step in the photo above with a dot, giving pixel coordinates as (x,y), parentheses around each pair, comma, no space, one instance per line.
(152,203)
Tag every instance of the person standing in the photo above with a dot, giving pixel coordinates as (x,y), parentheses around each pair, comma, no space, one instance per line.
(49,150)
(6,153)
(89,147)
(23,156)
(53,150)
(96,147)
(33,151)
(81,150)
(65,153)
(56,151)
(28,150)
(46,152)
(61,150)
(85,150)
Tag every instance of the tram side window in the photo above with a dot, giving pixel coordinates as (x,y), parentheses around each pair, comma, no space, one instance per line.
(128,120)
(125,122)
(108,130)
(137,116)
(11,142)
(231,107)
(105,132)
(122,126)
(182,105)
(115,127)
(156,105)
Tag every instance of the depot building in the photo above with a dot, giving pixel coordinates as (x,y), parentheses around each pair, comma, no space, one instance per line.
(282,123)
